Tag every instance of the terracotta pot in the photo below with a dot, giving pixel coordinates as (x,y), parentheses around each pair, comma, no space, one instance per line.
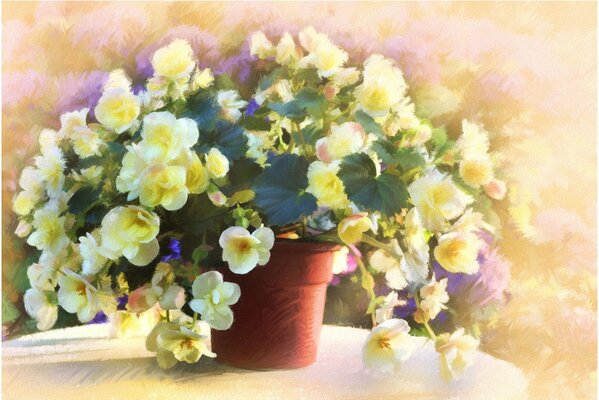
(279,315)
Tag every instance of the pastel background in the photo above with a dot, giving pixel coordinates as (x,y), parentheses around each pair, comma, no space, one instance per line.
(526,70)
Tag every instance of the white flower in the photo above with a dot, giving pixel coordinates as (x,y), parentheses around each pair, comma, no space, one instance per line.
(344,139)
(131,172)
(340,261)
(323,55)
(496,189)
(433,298)
(51,165)
(260,46)
(89,248)
(477,170)
(164,290)
(173,343)
(385,311)
(474,141)
(49,229)
(39,307)
(387,345)
(393,266)
(458,252)
(164,185)
(437,199)
(130,231)
(71,120)
(77,295)
(230,104)
(117,109)
(23,229)
(212,298)
(243,251)
(457,352)
(345,77)
(174,61)
(48,139)
(164,137)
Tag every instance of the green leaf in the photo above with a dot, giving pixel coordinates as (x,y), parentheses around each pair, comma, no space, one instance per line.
(241,176)
(368,123)
(410,158)
(229,138)
(197,216)
(308,75)
(385,193)
(290,109)
(204,110)
(440,142)
(268,80)
(309,134)
(82,199)
(199,254)
(10,313)
(281,190)
(312,101)
(386,151)
(224,82)
(255,124)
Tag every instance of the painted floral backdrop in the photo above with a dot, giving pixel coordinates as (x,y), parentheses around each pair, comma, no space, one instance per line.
(527,71)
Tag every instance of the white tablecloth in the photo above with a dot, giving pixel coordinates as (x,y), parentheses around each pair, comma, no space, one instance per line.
(83,363)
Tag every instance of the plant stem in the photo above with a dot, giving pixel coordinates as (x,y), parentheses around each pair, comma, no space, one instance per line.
(168,316)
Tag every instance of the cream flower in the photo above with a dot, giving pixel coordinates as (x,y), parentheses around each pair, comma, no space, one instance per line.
(117,109)
(70,121)
(382,88)
(476,171)
(385,311)
(212,298)
(325,185)
(32,183)
(49,229)
(164,137)
(345,77)
(437,199)
(351,228)
(163,290)
(260,46)
(174,61)
(457,352)
(130,231)
(243,251)
(51,165)
(25,202)
(173,343)
(131,172)
(90,176)
(39,307)
(433,298)
(218,198)
(344,139)
(164,185)
(201,79)
(23,229)
(197,179)
(230,103)
(77,295)
(387,345)
(457,252)
(89,248)
(48,139)
(286,53)
(474,141)
(216,164)
(323,55)
(86,142)
(393,265)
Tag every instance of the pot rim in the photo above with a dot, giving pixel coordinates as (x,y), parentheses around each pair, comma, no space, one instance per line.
(295,245)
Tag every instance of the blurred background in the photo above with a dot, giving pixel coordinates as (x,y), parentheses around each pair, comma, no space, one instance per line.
(527,71)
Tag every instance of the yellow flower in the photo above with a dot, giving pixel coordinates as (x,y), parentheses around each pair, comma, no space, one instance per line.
(385,311)
(382,88)
(117,109)
(164,137)
(433,298)
(173,343)
(130,231)
(212,298)
(457,352)
(72,120)
(86,142)
(39,307)
(89,248)
(260,46)
(197,180)
(345,77)
(323,55)
(216,164)
(164,185)
(393,265)
(325,185)
(77,295)
(201,79)
(437,199)
(24,202)
(458,252)
(243,251)
(173,61)
(344,139)
(387,345)
(230,103)
(476,171)
(51,165)
(350,230)
(49,233)
(286,53)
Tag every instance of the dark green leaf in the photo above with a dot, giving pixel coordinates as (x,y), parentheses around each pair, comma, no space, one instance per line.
(385,193)
(204,110)
(255,124)
(308,135)
(311,100)
(308,75)
(83,199)
(386,151)
(280,190)
(241,175)
(229,138)
(268,80)
(409,158)
(290,109)
(368,123)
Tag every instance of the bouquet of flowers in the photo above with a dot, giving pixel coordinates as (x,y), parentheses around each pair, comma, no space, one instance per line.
(135,205)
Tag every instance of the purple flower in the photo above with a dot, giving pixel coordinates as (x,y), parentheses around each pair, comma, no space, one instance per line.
(175,247)
(251,107)
(100,318)
(121,302)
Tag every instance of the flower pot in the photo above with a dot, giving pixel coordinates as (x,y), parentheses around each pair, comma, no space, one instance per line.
(279,315)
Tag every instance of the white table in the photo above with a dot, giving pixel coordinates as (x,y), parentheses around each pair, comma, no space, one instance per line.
(83,363)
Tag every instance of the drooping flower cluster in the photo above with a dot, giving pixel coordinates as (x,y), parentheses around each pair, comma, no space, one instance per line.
(187,172)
